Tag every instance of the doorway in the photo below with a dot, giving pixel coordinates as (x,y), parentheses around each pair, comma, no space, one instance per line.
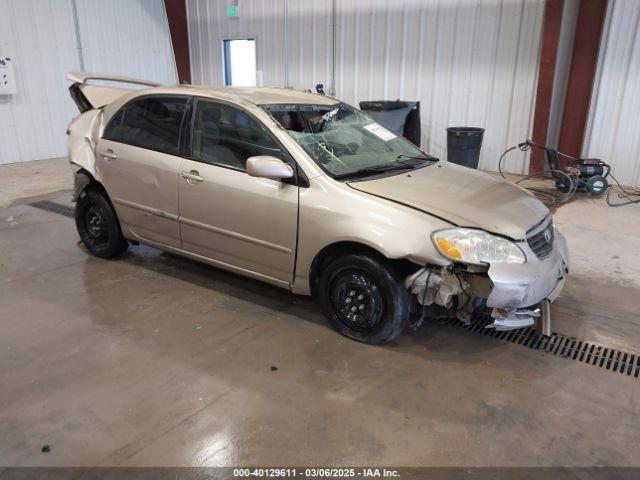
(239,62)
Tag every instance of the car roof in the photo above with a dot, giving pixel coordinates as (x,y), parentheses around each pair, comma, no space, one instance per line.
(254,95)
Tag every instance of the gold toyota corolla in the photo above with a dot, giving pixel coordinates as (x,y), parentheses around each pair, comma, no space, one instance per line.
(307,193)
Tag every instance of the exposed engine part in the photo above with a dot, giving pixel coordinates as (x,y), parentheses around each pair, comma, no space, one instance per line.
(434,286)
(446,293)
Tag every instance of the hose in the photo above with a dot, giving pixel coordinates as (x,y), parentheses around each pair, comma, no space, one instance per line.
(552,199)
(628,194)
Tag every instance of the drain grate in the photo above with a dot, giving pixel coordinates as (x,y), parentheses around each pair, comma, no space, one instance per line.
(559,345)
(54,208)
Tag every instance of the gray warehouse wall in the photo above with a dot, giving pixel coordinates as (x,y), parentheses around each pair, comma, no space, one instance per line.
(468,62)
(120,37)
(613,130)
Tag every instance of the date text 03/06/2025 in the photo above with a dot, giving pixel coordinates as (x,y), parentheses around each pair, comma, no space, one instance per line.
(315,473)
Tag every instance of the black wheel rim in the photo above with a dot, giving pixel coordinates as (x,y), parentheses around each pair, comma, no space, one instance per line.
(95,225)
(357,302)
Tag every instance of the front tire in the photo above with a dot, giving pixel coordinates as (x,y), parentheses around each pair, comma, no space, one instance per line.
(98,225)
(364,299)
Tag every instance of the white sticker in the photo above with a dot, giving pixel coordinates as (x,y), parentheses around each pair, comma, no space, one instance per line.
(380,132)
(7,77)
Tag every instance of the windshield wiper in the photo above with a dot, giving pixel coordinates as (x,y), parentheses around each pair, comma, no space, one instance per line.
(426,158)
(385,167)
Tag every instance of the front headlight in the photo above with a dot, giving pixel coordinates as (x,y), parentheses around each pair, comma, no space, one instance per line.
(478,247)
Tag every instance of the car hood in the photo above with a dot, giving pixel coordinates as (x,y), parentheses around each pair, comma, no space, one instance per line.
(462,196)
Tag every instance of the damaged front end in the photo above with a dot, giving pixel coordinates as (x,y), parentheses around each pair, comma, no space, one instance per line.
(515,295)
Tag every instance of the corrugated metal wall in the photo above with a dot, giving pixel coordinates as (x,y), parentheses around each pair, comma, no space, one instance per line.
(613,130)
(468,62)
(38,36)
(208,24)
(125,37)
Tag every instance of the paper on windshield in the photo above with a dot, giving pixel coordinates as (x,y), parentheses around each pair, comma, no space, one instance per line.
(380,132)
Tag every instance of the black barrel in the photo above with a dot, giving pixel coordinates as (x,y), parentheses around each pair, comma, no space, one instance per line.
(463,145)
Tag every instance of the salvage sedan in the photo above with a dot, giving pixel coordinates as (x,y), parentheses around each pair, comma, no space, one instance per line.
(309,194)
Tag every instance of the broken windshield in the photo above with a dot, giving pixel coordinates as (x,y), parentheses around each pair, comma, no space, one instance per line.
(346,143)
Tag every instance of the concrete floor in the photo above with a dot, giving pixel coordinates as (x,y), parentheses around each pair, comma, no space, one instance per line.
(26,179)
(155,360)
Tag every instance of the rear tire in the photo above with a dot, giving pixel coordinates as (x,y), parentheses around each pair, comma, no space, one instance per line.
(364,299)
(98,225)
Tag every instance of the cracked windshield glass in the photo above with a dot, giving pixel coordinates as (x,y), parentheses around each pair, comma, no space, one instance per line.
(345,142)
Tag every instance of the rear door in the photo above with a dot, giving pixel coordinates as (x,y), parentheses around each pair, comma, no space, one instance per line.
(226,215)
(138,161)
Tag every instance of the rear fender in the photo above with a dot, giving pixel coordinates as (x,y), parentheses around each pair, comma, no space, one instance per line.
(83,138)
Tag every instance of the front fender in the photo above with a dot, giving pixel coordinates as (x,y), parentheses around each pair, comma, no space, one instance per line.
(332,212)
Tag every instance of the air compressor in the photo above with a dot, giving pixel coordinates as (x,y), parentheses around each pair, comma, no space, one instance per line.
(588,174)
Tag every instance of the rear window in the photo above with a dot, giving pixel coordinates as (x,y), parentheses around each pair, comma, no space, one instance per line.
(114,128)
(150,122)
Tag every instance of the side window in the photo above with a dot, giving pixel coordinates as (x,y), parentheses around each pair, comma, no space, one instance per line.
(154,123)
(227,136)
(114,128)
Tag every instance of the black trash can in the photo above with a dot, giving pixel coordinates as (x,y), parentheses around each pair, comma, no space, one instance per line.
(463,145)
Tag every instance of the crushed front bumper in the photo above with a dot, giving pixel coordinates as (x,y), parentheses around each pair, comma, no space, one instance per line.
(519,288)
(517,294)
(519,285)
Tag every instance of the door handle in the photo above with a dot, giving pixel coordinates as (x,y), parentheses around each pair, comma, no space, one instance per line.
(192,176)
(109,155)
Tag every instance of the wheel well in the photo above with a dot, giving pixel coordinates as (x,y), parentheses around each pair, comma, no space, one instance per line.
(328,253)
(91,183)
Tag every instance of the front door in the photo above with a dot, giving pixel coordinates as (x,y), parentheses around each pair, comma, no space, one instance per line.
(138,161)
(226,215)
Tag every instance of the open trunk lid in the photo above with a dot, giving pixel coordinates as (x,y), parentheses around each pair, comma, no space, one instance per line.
(88,96)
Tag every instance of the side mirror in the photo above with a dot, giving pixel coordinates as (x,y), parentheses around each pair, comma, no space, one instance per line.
(265,166)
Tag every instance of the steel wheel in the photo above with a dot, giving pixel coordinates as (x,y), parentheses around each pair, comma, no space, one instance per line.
(96,225)
(364,298)
(357,302)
